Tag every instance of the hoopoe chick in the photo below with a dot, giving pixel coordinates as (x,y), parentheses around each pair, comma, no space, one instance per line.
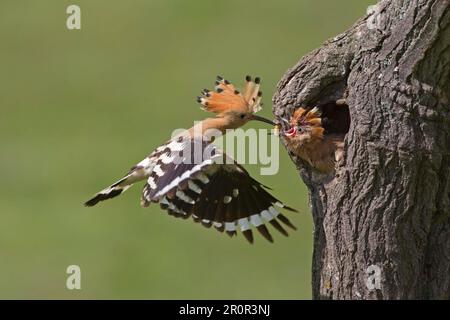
(190,177)
(306,138)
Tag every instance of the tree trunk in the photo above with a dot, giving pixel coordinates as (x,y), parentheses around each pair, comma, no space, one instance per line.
(382,222)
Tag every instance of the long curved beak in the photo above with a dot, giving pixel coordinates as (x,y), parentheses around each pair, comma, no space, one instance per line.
(258,118)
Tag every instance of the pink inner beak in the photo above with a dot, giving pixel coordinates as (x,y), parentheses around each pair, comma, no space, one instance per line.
(291,132)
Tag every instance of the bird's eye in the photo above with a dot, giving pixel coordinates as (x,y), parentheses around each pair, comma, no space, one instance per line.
(242,116)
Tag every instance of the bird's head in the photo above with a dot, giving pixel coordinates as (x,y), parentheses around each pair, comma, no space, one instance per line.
(305,127)
(233,107)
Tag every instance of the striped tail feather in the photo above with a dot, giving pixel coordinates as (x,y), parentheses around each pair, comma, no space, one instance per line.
(110,192)
(137,173)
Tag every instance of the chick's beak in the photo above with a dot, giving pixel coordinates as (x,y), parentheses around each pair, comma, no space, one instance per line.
(258,118)
(291,132)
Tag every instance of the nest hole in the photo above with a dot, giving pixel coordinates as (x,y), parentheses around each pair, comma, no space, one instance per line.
(335,117)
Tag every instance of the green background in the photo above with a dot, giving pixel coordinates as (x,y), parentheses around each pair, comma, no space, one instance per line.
(78,108)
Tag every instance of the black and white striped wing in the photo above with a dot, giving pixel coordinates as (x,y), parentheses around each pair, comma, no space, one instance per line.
(216,193)
(179,160)
(233,201)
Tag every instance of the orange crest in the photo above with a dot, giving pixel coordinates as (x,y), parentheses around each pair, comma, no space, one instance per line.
(228,98)
(310,119)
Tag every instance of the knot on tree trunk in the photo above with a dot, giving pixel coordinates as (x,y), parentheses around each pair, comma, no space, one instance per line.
(382,220)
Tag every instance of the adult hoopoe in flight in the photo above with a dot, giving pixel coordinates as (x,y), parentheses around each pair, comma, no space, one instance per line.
(190,176)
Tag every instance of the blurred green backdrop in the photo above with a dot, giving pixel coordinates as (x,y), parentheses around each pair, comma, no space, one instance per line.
(78,108)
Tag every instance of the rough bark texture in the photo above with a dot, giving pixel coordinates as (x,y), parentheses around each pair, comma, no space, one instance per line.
(388,205)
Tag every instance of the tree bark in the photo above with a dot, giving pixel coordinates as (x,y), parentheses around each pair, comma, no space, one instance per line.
(385,214)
